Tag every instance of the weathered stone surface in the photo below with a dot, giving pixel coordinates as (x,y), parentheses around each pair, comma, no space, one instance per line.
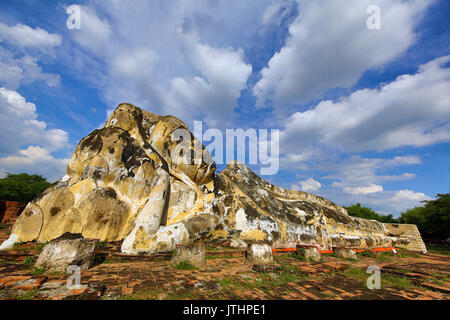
(145,180)
(259,254)
(406,236)
(346,253)
(310,254)
(59,254)
(194,254)
(238,243)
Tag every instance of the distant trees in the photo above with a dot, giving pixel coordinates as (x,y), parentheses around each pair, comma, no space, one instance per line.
(22,187)
(432,219)
(359,211)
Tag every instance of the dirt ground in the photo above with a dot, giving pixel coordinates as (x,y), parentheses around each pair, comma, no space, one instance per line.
(227,275)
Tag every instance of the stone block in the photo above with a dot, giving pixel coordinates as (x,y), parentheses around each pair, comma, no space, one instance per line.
(345,253)
(195,254)
(57,255)
(259,254)
(310,254)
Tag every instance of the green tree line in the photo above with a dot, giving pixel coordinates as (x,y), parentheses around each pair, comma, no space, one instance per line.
(432,218)
(22,187)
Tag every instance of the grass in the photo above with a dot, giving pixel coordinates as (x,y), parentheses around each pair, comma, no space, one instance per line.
(437,249)
(185,265)
(40,246)
(3,226)
(405,254)
(212,248)
(228,256)
(151,294)
(144,294)
(397,282)
(102,244)
(356,274)
(18,246)
(29,261)
(384,257)
(297,256)
(37,271)
(263,281)
(28,295)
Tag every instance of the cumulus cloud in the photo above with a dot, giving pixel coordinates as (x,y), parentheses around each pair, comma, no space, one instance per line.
(15,72)
(26,37)
(34,160)
(410,111)
(309,185)
(21,127)
(310,63)
(373,188)
(410,195)
(362,176)
(384,202)
(184,65)
(223,75)
(94,33)
(26,143)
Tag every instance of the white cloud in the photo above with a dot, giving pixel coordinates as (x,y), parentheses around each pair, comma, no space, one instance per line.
(15,72)
(383,202)
(309,185)
(330,46)
(224,75)
(21,127)
(26,143)
(34,160)
(276,12)
(410,111)
(373,188)
(26,37)
(171,57)
(94,33)
(358,171)
(410,195)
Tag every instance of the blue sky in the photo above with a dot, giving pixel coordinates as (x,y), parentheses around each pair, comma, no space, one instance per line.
(364,115)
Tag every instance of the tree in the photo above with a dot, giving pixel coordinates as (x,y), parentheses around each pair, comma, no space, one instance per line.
(22,187)
(432,219)
(367,213)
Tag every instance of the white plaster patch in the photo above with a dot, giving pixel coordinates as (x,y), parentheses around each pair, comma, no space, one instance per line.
(7,244)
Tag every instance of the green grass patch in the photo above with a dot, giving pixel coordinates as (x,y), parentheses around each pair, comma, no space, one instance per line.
(212,248)
(3,226)
(37,271)
(185,265)
(402,253)
(110,261)
(437,249)
(397,282)
(40,246)
(356,274)
(143,294)
(29,261)
(28,295)
(228,256)
(102,244)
